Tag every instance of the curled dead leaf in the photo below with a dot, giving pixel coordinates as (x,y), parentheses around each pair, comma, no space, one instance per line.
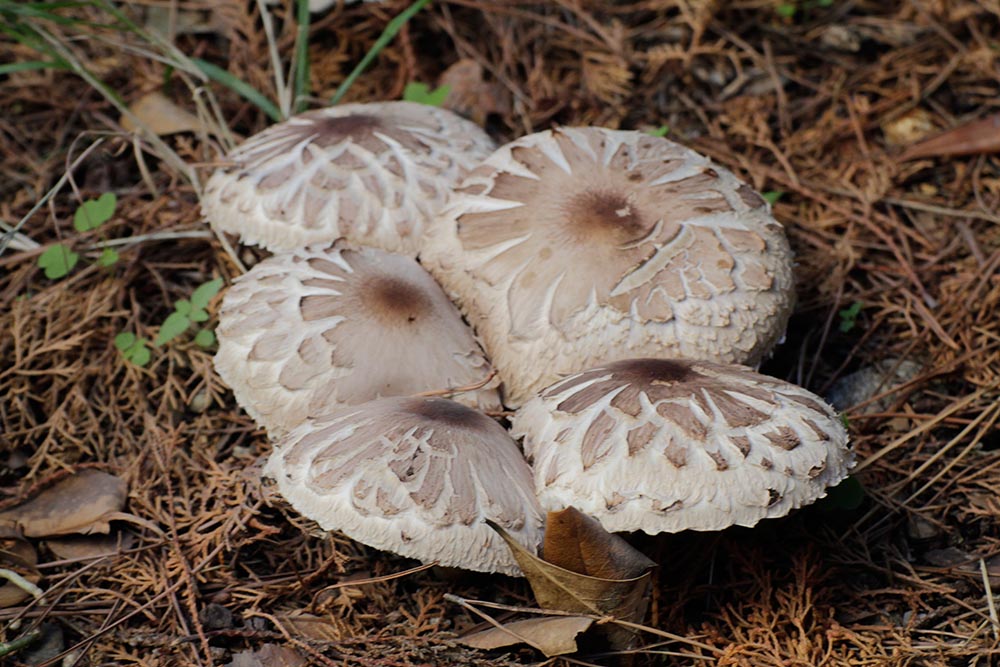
(470,94)
(86,547)
(971,138)
(578,541)
(161,116)
(82,503)
(552,635)
(310,626)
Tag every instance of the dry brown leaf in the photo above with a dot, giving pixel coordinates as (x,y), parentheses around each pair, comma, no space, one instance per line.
(269,655)
(470,94)
(972,138)
(555,587)
(309,626)
(20,557)
(161,116)
(84,547)
(577,542)
(82,503)
(552,635)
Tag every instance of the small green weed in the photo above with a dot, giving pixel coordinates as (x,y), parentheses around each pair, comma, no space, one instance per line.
(772,196)
(788,10)
(93,213)
(134,349)
(849,316)
(422,94)
(57,260)
(661,131)
(186,312)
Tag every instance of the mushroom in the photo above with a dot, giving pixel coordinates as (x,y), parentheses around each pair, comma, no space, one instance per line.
(577,246)
(663,445)
(415,476)
(372,173)
(311,330)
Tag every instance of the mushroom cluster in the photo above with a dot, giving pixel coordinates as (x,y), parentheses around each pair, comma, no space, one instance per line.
(618,286)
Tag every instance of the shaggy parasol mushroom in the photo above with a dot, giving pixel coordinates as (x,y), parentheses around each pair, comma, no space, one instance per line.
(665,445)
(308,331)
(414,476)
(371,173)
(577,246)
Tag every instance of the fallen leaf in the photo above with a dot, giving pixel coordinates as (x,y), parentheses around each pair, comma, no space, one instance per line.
(269,655)
(161,116)
(310,626)
(20,557)
(470,95)
(623,597)
(81,504)
(85,547)
(577,542)
(552,635)
(971,138)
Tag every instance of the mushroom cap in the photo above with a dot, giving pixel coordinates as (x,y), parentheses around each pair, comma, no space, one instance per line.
(305,332)
(372,173)
(667,445)
(576,246)
(415,476)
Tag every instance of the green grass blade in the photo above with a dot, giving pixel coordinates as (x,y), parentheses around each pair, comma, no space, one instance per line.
(393,27)
(300,81)
(241,88)
(10,68)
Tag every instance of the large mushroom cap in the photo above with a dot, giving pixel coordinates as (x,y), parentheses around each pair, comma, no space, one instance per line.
(415,476)
(372,173)
(305,332)
(577,246)
(663,445)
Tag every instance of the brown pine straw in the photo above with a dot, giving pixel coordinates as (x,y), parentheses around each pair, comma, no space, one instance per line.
(808,106)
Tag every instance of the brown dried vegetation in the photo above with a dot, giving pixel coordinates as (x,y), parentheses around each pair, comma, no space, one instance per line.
(809,106)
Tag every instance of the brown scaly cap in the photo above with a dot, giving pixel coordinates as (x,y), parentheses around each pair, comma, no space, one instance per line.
(664,445)
(372,173)
(415,476)
(308,331)
(576,246)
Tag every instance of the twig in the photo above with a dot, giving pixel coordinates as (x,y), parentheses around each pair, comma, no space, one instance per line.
(22,583)
(989,599)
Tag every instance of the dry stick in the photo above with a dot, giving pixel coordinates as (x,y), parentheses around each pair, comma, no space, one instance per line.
(989,599)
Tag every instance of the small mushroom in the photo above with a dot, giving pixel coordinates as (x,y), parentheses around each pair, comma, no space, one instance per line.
(312,330)
(372,173)
(414,476)
(573,247)
(667,445)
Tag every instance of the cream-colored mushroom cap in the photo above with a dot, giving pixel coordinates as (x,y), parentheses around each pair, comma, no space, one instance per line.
(415,476)
(573,247)
(304,332)
(371,173)
(663,445)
